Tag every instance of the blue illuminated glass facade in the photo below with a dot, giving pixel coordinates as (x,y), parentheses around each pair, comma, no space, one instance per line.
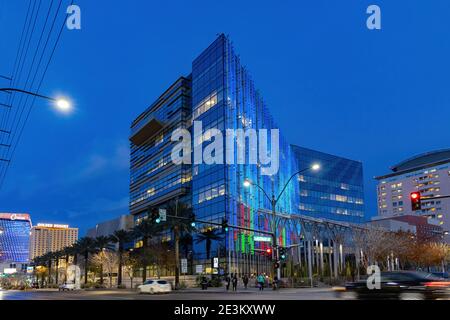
(335,192)
(14,240)
(154,179)
(223,96)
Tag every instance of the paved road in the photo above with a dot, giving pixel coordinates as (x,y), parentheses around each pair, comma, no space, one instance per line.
(193,294)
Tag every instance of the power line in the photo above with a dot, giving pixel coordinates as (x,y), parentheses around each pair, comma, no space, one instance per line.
(15,124)
(31,69)
(16,59)
(23,64)
(2,178)
(5,121)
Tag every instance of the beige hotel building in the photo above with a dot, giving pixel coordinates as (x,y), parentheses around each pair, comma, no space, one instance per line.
(427,173)
(47,237)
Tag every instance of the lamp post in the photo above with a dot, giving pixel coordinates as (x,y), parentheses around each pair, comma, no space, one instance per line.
(273,201)
(62,104)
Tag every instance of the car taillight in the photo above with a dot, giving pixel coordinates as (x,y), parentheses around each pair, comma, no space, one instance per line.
(437,284)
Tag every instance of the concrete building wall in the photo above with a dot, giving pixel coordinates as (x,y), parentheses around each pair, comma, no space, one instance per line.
(430,179)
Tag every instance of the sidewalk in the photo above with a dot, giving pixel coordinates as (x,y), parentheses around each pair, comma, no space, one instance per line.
(252,290)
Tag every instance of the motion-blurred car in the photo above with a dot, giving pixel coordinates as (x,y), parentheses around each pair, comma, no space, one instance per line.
(443,275)
(155,286)
(402,285)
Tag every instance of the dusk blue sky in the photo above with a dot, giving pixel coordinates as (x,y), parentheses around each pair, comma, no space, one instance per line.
(331,84)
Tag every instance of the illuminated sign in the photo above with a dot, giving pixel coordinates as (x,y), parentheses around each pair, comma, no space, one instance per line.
(15,216)
(9,271)
(262,239)
(52,225)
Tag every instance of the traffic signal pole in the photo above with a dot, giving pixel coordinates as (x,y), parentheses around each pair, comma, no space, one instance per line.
(219,224)
(434,198)
(275,252)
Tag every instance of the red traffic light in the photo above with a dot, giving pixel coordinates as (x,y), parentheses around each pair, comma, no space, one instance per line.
(415,195)
(269,251)
(416,203)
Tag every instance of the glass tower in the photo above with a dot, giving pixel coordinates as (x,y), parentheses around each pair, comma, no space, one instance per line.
(220,94)
(335,192)
(154,179)
(15,232)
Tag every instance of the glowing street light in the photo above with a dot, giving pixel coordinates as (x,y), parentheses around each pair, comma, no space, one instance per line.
(61,104)
(274,200)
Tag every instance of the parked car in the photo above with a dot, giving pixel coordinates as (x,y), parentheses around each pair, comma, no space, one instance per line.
(155,286)
(68,287)
(402,285)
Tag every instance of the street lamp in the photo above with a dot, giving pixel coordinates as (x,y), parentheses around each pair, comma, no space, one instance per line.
(274,200)
(61,104)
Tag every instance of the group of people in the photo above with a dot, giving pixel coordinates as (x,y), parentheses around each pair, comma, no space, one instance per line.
(233,280)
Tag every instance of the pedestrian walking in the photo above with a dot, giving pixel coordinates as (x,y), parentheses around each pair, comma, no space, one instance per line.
(245,281)
(275,283)
(235,282)
(227,280)
(261,279)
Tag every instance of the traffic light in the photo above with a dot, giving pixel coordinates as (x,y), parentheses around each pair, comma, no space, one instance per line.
(276,265)
(225,225)
(269,252)
(154,214)
(416,203)
(283,253)
(192,218)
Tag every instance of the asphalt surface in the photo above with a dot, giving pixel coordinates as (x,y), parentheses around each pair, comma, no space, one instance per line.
(189,294)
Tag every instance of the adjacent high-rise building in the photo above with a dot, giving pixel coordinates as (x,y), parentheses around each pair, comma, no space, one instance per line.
(48,237)
(334,193)
(428,174)
(15,231)
(107,228)
(220,94)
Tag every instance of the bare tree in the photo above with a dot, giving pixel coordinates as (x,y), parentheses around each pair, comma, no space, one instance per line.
(108,260)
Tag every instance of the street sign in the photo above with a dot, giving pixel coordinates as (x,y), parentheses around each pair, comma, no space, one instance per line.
(262,239)
(215,263)
(163,214)
(183,265)
(199,269)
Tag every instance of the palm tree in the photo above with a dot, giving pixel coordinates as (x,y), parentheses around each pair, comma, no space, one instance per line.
(39,262)
(208,236)
(178,227)
(56,256)
(186,241)
(47,259)
(84,247)
(102,243)
(146,230)
(121,237)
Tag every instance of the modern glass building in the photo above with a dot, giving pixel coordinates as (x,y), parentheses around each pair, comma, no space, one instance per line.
(15,232)
(154,178)
(220,94)
(335,192)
